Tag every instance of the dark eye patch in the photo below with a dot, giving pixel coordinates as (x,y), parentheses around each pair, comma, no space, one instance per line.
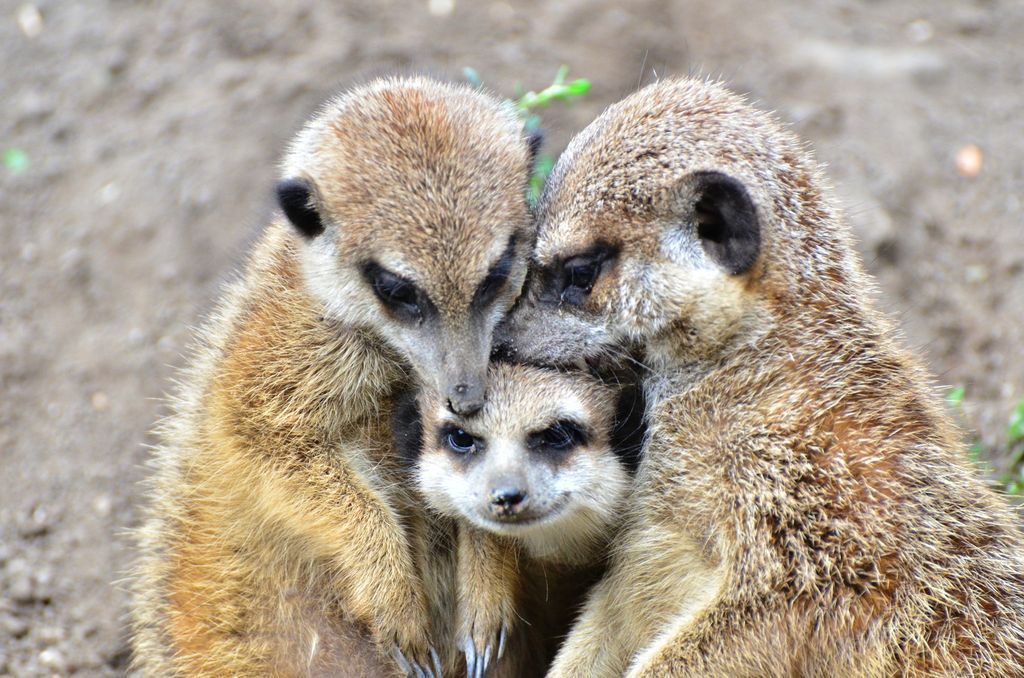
(560,436)
(496,277)
(400,296)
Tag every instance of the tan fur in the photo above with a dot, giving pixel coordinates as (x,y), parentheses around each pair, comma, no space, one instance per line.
(281,539)
(804,506)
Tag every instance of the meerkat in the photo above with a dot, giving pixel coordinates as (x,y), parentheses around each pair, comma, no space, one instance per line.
(280,539)
(538,476)
(803,505)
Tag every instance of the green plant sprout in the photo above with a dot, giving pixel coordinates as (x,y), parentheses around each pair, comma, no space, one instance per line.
(15,160)
(1015,442)
(1011,480)
(526,103)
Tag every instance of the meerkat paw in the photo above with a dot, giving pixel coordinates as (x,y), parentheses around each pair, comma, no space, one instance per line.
(483,642)
(478,657)
(407,638)
(419,668)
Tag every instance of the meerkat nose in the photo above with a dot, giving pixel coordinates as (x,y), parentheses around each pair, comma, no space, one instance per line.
(508,502)
(466,399)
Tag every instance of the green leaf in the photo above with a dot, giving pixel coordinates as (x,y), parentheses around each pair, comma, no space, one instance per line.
(1015,429)
(556,91)
(955,397)
(15,160)
(541,170)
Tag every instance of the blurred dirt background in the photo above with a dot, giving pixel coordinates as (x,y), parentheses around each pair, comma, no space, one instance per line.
(140,142)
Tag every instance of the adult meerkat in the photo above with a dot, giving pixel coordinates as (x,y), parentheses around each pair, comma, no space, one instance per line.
(281,539)
(536,481)
(804,505)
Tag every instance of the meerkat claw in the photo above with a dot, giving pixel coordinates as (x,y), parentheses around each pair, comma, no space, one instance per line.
(487,659)
(501,641)
(436,662)
(469,650)
(402,662)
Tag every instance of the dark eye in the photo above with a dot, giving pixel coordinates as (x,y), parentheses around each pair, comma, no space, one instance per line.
(460,441)
(497,276)
(580,274)
(561,436)
(489,289)
(398,294)
(583,275)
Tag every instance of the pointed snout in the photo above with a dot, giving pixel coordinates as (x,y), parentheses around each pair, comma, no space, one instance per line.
(466,395)
(508,501)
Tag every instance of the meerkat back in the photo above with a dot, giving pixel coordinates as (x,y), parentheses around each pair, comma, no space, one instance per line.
(280,539)
(804,505)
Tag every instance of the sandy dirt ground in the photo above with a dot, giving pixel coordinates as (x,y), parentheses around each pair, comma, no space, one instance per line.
(150,133)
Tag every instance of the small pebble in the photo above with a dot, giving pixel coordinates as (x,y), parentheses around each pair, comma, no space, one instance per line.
(52,658)
(920,30)
(109,193)
(20,586)
(51,634)
(30,20)
(441,7)
(975,273)
(15,627)
(100,401)
(102,504)
(969,160)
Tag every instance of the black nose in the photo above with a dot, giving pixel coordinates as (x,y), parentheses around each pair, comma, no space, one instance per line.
(508,501)
(466,398)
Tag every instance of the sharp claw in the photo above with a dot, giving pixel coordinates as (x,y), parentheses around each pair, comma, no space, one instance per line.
(436,660)
(420,673)
(501,641)
(469,650)
(487,658)
(402,662)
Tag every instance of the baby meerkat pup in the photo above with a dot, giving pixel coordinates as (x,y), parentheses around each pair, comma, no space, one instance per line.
(281,538)
(804,506)
(538,474)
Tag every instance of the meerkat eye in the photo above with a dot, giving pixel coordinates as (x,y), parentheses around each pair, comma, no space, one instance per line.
(497,276)
(397,294)
(580,274)
(460,441)
(560,436)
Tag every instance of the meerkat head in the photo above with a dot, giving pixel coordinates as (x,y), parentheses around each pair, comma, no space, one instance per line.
(668,224)
(410,199)
(547,461)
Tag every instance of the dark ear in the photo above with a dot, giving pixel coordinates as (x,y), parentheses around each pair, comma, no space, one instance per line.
(727,222)
(295,196)
(406,428)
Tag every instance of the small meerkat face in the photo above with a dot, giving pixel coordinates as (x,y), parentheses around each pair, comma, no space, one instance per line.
(538,463)
(410,196)
(642,241)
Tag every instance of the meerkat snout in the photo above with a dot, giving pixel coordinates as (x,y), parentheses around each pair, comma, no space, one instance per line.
(467,396)
(509,501)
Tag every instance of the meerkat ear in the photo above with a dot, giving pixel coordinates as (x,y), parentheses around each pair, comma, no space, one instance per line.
(727,223)
(297,201)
